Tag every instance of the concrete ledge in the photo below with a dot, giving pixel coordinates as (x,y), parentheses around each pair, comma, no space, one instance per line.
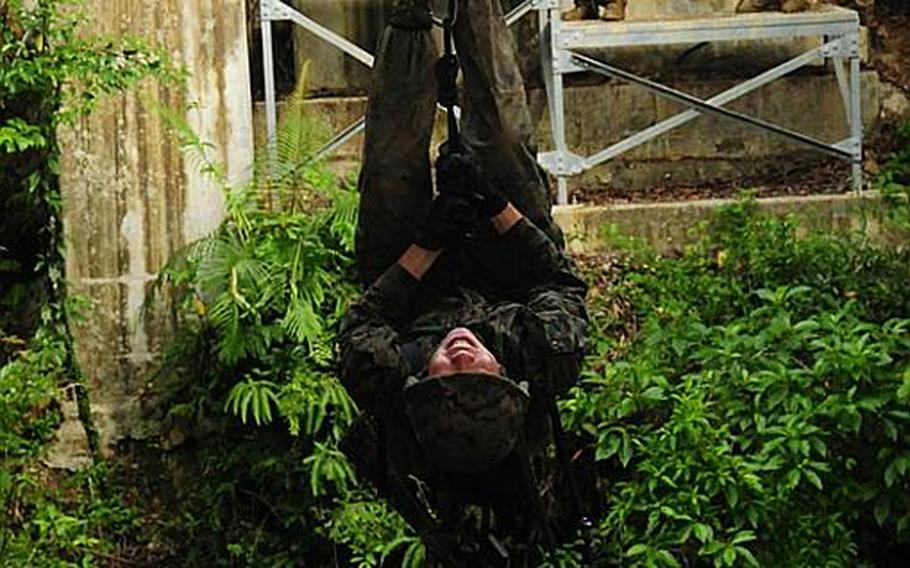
(669,226)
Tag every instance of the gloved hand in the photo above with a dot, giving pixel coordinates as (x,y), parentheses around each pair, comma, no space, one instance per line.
(459,172)
(450,219)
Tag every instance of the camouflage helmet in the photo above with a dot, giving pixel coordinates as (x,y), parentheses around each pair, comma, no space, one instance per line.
(466,422)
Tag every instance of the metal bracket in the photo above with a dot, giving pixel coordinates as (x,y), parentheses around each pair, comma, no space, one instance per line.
(545,4)
(564,63)
(562,163)
(273,10)
(851,145)
(843,47)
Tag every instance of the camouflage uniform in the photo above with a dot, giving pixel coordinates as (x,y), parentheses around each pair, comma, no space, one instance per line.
(518,292)
(531,316)
(395,180)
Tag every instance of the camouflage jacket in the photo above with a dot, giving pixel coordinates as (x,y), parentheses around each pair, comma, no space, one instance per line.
(517,292)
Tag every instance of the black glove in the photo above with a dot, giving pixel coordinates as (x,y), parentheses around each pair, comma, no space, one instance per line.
(460,173)
(450,219)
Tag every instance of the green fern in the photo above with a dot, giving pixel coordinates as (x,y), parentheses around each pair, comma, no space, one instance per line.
(258,303)
(254,398)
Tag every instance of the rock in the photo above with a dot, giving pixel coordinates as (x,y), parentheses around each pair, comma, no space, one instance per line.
(69,450)
(895,103)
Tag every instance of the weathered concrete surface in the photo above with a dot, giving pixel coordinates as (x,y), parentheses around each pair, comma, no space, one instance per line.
(707,149)
(131,198)
(668,226)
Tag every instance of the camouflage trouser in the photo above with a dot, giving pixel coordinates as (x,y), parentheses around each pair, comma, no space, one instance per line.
(395,180)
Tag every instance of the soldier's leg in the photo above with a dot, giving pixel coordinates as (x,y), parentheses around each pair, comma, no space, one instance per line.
(495,120)
(395,184)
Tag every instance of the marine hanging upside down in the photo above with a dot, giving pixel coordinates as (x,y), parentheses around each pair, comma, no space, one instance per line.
(469,291)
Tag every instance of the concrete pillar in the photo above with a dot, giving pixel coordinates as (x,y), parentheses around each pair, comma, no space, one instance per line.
(131,197)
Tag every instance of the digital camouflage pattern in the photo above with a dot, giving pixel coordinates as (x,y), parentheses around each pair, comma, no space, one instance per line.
(518,293)
(466,422)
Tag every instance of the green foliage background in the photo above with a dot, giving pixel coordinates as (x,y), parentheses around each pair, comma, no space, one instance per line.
(756,413)
(49,76)
(744,402)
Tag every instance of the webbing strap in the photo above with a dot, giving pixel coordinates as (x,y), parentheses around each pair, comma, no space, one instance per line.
(447,75)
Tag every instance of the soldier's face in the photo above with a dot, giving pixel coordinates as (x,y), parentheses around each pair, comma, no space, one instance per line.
(462,352)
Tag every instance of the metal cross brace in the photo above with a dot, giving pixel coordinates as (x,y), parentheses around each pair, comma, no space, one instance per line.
(561,42)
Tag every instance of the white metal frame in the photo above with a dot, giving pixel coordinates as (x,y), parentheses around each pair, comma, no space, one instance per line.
(560,42)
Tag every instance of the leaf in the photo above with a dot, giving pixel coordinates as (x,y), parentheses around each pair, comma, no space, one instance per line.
(653,393)
(625,451)
(745,553)
(703,532)
(743,536)
(636,550)
(882,510)
(793,478)
(607,446)
(729,556)
(813,478)
(668,558)
(732,494)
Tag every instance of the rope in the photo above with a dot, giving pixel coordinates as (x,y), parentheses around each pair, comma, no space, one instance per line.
(447,68)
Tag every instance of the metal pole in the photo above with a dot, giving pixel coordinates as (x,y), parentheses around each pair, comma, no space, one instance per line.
(723,98)
(268,71)
(856,116)
(551,21)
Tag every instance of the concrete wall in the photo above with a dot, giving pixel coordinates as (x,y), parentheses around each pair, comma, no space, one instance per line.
(131,198)
(330,70)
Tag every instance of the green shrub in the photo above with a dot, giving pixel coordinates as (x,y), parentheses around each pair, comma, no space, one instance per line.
(759,413)
(894,180)
(250,377)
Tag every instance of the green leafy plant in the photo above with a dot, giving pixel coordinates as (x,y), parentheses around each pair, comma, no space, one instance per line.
(253,365)
(755,416)
(894,180)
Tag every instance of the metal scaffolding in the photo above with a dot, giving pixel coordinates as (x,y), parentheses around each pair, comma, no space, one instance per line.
(838,29)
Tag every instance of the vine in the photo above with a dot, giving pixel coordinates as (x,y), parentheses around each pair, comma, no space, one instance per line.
(50,74)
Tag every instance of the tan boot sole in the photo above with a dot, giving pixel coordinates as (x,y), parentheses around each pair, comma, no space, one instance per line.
(613,12)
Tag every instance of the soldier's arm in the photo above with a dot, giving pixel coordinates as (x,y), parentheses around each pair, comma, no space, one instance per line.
(554,296)
(373,367)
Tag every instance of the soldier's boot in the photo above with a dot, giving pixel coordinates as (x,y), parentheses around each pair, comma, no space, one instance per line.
(583,10)
(411,15)
(613,11)
(746,6)
(790,6)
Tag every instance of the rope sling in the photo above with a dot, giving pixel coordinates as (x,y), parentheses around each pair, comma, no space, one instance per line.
(447,69)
